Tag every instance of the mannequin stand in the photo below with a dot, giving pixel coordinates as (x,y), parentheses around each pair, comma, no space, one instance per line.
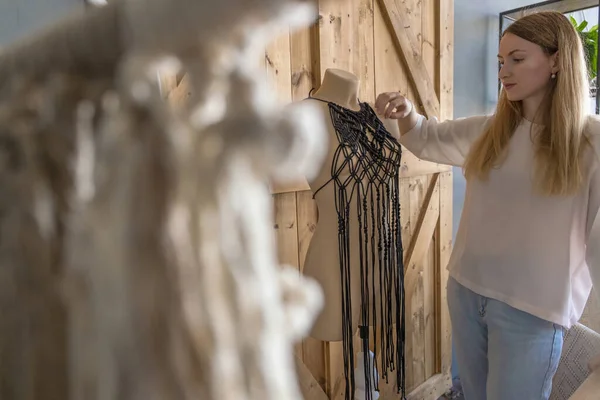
(366,389)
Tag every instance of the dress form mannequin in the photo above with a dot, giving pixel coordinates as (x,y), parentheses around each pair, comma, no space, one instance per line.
(323,256)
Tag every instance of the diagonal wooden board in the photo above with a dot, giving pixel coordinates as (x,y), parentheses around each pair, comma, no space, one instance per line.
(428,216)
(310,388)
(409,47)
(421,240)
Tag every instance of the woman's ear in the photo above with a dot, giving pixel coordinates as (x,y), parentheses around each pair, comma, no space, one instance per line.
(554,63)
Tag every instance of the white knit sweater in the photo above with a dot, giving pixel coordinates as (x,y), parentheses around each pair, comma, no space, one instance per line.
(513,245)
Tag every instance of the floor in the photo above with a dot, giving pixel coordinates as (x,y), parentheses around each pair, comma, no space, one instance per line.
(455,393)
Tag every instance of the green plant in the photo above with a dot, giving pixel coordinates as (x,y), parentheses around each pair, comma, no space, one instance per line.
(589,39)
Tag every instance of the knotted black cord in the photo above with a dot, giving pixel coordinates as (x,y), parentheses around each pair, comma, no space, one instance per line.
(369,159)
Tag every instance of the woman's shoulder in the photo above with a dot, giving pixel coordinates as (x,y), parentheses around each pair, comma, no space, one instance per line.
(592,130)
(593,123)
(592,133)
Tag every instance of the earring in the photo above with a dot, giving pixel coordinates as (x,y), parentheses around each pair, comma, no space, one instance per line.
(553,76)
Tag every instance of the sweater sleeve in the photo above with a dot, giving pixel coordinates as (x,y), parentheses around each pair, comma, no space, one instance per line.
(445,142)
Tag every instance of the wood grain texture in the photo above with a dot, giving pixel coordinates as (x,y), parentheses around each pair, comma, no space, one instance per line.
(411,54)
(397,16)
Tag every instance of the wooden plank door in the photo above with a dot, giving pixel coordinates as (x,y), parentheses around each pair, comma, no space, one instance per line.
(404,45)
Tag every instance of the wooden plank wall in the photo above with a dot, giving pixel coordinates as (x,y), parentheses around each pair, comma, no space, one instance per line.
(365,37)
(404,45)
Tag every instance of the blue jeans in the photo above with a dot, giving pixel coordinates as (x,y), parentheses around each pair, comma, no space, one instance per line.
(502,353)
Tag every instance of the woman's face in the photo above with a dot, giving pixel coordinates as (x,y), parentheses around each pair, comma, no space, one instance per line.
(525,69)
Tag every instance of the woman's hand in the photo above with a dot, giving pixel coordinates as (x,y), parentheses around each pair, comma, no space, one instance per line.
(393,105)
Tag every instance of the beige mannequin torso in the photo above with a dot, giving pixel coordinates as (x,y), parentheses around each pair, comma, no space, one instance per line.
(323,256)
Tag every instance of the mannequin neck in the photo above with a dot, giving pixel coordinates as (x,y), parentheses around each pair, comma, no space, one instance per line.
(339,87)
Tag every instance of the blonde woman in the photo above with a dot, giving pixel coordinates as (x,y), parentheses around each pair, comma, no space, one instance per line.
(519,270)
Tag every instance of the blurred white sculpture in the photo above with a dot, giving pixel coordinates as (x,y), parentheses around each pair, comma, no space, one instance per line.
(141,261)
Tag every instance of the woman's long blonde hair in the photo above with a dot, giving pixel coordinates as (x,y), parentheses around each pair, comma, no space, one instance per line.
(561,142)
